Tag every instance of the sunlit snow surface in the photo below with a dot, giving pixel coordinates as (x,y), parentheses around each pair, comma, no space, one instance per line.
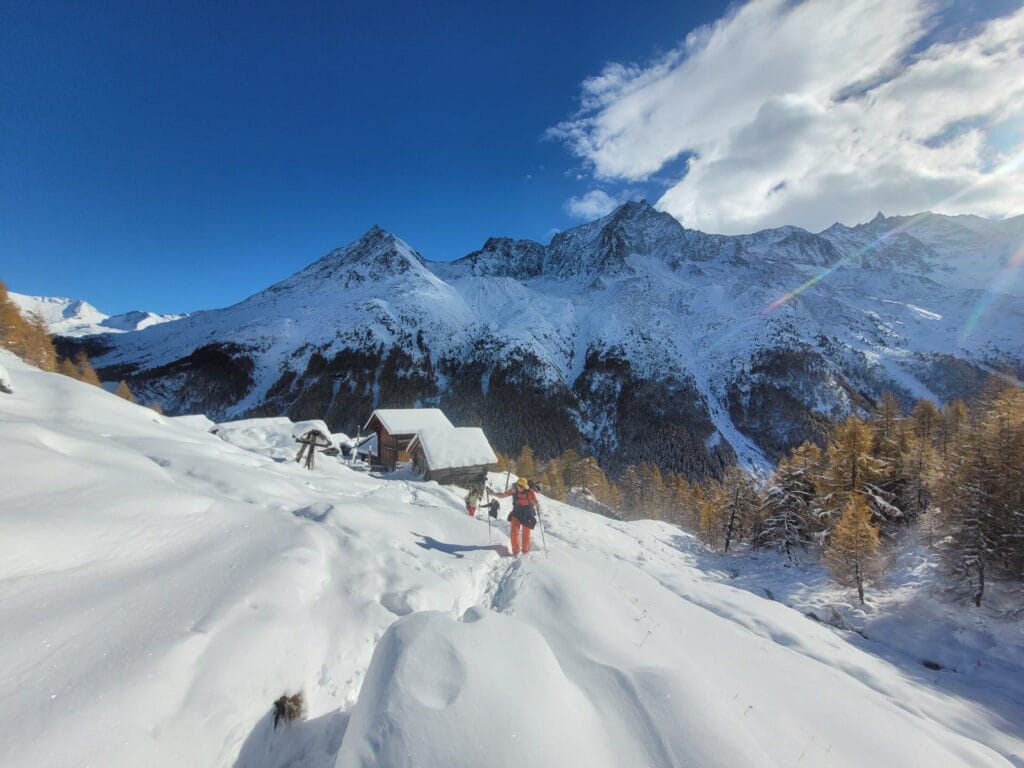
(160,587)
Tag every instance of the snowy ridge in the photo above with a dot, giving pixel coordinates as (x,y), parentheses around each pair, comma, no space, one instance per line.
(161,587)
(73,317)
(762,333)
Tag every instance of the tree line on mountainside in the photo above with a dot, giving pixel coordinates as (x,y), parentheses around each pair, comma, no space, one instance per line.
(955,475)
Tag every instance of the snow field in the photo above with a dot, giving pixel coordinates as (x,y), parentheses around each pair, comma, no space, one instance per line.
(161,586)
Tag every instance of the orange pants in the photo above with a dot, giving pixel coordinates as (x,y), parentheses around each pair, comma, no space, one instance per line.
(518,527)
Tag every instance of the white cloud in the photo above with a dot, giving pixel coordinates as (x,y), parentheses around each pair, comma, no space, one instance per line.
(592,205)
(811,112)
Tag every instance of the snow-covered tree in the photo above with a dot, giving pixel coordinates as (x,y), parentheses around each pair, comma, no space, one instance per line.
(788,522)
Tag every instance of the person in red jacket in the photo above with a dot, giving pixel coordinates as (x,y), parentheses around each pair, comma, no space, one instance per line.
(524,513)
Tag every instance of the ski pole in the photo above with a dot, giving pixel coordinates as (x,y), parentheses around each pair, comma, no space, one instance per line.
(543,538)
(487,492)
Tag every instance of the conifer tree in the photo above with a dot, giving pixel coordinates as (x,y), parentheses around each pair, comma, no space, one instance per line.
(711,505)
(740,504)
(79,367)
(568,467)
(681,502)
(11,320)
(526,465)
(979,497)
(652,492)
(853,545)
(788,523)
(927,420)
(123,390)
(852,470)
(631,486)
(25,336)
(955,417)
(503,464)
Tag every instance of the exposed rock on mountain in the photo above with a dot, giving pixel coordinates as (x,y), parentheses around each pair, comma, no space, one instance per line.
(629,336)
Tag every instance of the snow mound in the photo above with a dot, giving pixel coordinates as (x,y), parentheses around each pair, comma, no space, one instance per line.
(488,691)
(274,436)
(194,421)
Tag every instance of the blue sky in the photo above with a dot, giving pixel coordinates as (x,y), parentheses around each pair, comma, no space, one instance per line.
(178,156)
(174,156)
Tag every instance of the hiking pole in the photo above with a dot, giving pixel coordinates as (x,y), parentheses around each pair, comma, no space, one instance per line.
(487,492)
(543,538)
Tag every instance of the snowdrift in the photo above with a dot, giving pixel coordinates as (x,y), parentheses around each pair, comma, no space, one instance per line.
(161,586)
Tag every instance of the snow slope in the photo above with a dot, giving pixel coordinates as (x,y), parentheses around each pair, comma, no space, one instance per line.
(160,587)
(74,317)
(755,340)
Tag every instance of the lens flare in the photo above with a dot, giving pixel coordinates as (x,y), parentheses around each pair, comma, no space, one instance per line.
(1011,164)
(996,289)
(878,241)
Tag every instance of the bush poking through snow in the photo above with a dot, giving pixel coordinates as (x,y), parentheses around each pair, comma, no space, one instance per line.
(289,708)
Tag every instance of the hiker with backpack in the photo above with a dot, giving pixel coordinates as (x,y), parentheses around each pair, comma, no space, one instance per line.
(473,500)
(523,515)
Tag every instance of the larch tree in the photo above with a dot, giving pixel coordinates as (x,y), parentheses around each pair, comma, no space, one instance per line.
(681,502)
(652,492)
(27,337)
(631,485)
(123,390)
(955,417)
(526,465)
(853,546)
(852,470)
(79,367)
(710,511)
(740,506)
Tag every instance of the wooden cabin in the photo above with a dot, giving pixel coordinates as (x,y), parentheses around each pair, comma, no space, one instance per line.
(396,428)
(452,456)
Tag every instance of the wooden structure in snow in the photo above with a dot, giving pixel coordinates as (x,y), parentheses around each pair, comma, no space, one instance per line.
(308,444)
(452,455)
(396,428)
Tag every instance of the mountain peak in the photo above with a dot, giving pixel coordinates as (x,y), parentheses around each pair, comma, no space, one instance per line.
(376,232)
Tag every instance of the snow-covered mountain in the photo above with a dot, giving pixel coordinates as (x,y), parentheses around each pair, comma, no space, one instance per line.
(162,586)
(74,317)
(630,336)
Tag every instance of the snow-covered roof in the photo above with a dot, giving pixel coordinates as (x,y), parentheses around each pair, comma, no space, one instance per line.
(409,421)
(447,448)
(341,439)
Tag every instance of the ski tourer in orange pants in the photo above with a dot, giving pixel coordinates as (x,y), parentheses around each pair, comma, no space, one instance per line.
(517,528)
(523,516)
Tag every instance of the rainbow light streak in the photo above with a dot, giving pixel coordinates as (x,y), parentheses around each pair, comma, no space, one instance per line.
(994,292)
(1011,164)
(845,260)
